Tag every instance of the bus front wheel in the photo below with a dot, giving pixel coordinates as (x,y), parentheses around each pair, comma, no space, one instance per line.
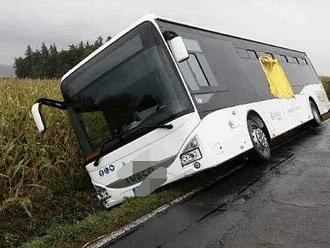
(260,141)
(317,120)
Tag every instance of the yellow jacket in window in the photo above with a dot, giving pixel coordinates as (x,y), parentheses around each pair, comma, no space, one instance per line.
(278,83)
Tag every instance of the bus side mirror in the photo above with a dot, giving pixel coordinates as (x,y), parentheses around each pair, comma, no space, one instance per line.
(37,117)
(178,49)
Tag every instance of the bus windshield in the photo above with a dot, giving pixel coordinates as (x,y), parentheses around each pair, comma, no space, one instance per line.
(129,85)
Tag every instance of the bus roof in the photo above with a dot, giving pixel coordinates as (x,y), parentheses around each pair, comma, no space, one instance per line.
(227,35)
(151,17)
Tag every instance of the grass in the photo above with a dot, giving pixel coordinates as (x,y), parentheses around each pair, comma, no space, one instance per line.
(105,221)
(46,199)
(326,84)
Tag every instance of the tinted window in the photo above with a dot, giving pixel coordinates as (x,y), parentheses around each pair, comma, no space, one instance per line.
(261,54)
(242,53)
(189,76)
(278,57)
(304,61)
(291,60)
(192,45)
(252,54)
(197,71)
(284,58)
(207,69)
(301,61)
(269,55)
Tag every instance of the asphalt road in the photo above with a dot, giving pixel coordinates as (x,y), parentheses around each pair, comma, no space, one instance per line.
(282,203)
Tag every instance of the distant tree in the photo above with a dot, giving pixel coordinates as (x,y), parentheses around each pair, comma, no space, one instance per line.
(54,63)
(20,67)
(28,61)
(45,63)
(28,52)
(51,63)
(44,50)
(98,42)
(37,69)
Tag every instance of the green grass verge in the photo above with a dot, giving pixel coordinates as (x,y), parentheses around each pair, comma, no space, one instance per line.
(104,221)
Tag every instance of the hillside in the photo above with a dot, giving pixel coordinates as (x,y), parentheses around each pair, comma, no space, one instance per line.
(7,71)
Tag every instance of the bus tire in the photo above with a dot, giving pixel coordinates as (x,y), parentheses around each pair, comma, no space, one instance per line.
(317,119)
(260,141)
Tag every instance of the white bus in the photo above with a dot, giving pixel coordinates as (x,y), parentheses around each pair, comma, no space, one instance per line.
(164,100)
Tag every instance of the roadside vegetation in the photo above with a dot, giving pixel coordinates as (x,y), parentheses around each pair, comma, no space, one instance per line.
(46,199)
(49,62)
(326,84)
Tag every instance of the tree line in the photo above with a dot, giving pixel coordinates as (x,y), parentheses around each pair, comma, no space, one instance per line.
(48,62)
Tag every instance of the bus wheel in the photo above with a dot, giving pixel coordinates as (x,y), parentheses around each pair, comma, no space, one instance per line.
(260,141)
(316,114)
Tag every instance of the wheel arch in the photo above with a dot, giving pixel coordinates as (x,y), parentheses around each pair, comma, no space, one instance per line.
(256,116)
(313,101)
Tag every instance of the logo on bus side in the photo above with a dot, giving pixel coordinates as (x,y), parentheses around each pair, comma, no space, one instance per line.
(106,170)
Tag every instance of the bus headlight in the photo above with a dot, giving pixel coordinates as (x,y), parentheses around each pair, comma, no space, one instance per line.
(191,153)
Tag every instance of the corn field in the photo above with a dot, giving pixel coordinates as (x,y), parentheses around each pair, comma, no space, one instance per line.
(30,162)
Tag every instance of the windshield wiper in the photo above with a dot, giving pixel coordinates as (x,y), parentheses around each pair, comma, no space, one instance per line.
(121,137)
(167,126)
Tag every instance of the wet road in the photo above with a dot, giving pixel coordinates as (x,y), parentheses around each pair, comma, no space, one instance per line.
(283,203)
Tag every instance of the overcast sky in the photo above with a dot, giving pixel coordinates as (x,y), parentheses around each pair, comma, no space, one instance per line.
(298,24)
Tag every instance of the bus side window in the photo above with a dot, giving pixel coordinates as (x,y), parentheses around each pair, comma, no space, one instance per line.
(284,58)
(304,61)
(242,53)
(291,60)
(207,69)
(193,73)
(192,45)
(278,57)
(189,76)
(252,54)
(269,55)
(197,71)
(260,54)
(301,61)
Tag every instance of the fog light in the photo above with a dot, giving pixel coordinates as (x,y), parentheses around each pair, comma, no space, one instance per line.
(197,165)
(101,192)
(106,204)
(190,156)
